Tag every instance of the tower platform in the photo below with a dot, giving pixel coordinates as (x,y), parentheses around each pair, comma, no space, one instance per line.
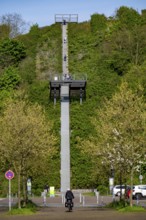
(76,88)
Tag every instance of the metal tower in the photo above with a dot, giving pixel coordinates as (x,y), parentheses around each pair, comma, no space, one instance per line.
(64,87)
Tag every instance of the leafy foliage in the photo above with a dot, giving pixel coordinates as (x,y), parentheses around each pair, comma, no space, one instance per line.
(106,51)
(24,138)
(98,22)
(120,126)
(10,79)
(4,31)
(11,52)
(15,24)
(128,17)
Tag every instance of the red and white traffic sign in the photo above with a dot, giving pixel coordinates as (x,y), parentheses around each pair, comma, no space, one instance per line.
(9,174)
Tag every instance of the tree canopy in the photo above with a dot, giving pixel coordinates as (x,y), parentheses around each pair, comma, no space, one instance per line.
(11,52)
(25,137)
(15,23)
(121,130)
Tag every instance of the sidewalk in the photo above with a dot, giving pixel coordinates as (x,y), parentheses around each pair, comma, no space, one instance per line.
(58,201)
(54,210)
(82,213)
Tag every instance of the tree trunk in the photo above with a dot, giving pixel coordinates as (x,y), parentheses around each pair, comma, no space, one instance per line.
(24,191)
(137,51)
(131,185)
(19,190)
(120,183)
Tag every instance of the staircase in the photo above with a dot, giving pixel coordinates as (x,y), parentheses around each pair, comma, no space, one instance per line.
(65,122)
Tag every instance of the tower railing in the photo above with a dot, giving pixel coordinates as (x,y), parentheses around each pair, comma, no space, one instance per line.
(60,18)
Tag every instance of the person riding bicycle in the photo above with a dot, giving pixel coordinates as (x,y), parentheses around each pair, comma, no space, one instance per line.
(69,196)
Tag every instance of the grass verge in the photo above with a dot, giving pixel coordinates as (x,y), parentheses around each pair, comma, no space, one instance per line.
(30,209)
(132,209)
(124,206)
(22,211)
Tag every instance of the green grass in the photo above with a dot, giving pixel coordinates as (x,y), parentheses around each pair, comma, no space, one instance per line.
(30,209)
(23,211)
(89,194)
(124,206)
(118,204)
(132,209)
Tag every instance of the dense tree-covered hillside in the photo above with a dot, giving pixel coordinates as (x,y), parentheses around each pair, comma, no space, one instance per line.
(107,51)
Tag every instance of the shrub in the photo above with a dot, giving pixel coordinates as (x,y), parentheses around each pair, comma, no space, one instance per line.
(10,79)
(11,52)
(102,190)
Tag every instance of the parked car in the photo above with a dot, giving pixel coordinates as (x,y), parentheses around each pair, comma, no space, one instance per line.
(118,189)
(139,191)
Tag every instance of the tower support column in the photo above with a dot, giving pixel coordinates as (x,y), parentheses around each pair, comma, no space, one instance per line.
(65,139)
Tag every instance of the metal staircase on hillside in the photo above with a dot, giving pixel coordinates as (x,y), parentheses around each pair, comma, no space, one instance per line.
(63,87)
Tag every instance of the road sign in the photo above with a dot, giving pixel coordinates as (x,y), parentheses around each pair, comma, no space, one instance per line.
(140,177)
(9,174)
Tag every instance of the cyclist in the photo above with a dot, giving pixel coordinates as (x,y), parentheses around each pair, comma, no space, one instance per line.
(69,196)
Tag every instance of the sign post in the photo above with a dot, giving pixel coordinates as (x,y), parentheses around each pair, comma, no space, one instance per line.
(29,186)
(9,175)
(140,178)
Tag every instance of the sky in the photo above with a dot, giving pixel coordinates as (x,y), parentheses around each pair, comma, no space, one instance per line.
(42,12)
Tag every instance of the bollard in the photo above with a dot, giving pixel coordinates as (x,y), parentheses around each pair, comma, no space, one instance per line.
(83,200)
(137,201)
(80,198)
(63,199)
(12,198)
(97,196)
(44,197)
(113,196)
(102,199)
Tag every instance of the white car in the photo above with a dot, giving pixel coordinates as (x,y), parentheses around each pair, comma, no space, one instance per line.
(118,189)
(139,191)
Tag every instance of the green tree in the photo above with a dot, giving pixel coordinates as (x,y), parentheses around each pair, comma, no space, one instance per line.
(138,45)
(125,48)
(128,17)
(15,23)
(10,79)
(98,22)
(121,131)
(11,52)
(25,139)
(4,31)
(35,31)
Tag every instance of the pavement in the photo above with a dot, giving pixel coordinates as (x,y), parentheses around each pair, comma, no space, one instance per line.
(82,213)
(58,201)
(79,201)
(88,208)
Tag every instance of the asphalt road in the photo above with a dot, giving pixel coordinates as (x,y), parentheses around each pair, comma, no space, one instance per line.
(60,213)
(55,210)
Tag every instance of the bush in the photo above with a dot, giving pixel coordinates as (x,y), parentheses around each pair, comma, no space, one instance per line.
(124,206)
(10,79)
(103,190)
(37,192)
(11,52)
(118,204)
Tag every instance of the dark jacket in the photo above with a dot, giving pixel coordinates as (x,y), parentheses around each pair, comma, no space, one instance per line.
(69,195)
